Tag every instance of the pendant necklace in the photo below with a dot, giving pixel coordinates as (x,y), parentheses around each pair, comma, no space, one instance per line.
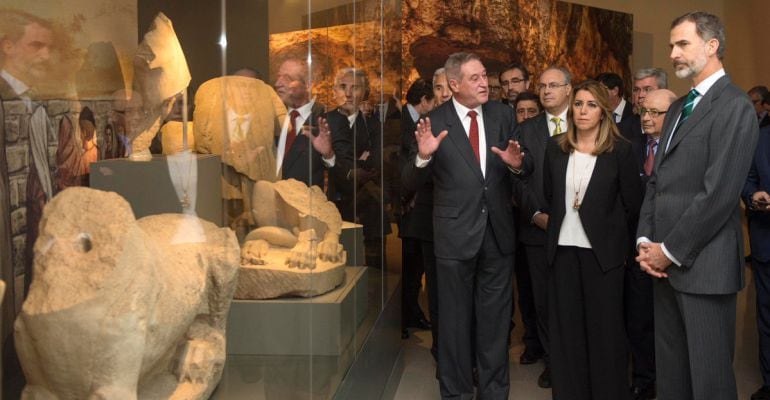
(576,202)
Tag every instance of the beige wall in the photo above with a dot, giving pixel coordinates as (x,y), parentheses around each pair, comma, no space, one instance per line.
(747,60)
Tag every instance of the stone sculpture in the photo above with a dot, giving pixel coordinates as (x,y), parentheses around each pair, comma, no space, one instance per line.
(239,118)
(160,73)
(296,249)
(124,309)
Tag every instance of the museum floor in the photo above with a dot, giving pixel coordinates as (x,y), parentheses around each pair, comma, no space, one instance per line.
(417,379)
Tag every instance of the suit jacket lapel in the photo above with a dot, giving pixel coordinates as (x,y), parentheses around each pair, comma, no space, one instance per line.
(460,139)
(701,109)
(301,143)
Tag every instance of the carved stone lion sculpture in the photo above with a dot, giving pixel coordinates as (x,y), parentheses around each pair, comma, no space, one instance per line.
(295,251)
(124,309)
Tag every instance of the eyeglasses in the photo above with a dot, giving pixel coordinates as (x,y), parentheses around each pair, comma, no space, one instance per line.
(653,112)
(495,87)
(513,81)
(646,89)
(552,85)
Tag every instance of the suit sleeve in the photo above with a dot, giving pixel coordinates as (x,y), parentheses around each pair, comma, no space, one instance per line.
(547,185)
(342,145)
(630,186)
(413,178)
(728,162)
(752,181)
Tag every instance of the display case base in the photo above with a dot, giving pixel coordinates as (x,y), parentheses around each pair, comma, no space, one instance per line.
(322,325)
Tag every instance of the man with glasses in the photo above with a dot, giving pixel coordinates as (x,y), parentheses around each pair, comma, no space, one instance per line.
(554,88)
(637,284)
(495,90)
(514,80)
(757,93)
(645,81)
(640,326)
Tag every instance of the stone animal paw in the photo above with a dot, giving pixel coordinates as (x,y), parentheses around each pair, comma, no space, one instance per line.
(197,362)
(254,252)
(329,250)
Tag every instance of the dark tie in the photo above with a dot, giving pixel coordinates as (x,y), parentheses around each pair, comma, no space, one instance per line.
(689,103)
(291,133)
(473,134)
(652,144)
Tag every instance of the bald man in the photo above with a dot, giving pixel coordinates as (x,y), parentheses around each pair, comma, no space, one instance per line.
(640,325)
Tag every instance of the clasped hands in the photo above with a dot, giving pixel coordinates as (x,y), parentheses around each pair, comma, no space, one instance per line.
(427,144)
(760,201)
(653,260)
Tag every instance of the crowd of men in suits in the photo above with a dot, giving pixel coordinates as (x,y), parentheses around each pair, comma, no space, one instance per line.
(684,263)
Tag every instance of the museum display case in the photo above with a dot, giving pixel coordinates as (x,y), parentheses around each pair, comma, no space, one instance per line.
(198,198)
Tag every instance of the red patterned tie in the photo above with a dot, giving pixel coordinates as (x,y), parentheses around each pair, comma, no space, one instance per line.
(291,133)
(473,134)
(650,161)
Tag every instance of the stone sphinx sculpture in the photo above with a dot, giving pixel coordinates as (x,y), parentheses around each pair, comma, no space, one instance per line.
(295,251)
(124,309)
(160,73)
(239,118)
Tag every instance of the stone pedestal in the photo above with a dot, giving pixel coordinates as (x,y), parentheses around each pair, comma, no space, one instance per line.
(147,186)
(352,240)
(322,325)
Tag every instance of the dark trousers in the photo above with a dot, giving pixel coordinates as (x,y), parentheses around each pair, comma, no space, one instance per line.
(588,353)
(694,344)
(411,278)
(540,272)
(762,284)
(640,324)
(482,287)
(429,264)
(526,301)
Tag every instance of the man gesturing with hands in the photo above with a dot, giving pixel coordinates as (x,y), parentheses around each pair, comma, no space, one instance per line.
(466,146)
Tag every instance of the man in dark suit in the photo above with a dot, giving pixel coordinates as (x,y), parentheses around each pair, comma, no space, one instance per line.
(756,196)
(473,232)
(360,196)
(554,86)
(306,130)
(640,325)
(757,93)
(514,80)
(616,89)
(645,81)
(689,228)
(416,227)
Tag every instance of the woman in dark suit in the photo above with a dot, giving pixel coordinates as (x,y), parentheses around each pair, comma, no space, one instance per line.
(594,194)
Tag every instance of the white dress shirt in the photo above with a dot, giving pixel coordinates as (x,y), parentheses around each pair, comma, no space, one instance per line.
(618,112)
(579,170)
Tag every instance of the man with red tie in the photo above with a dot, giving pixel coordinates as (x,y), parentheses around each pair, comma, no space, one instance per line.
(308,129)
(465,146)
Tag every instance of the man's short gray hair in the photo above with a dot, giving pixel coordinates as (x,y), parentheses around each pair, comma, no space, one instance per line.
(455,62)
(660,76)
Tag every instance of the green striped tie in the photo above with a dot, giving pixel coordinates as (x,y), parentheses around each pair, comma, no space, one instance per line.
(688,106)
